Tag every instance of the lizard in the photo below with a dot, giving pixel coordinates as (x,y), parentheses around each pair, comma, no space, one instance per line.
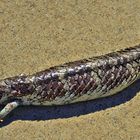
(72,82)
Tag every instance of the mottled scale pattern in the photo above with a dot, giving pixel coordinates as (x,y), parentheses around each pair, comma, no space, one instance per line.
(75,81)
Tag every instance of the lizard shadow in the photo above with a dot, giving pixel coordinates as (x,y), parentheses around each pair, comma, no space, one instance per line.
(77,109)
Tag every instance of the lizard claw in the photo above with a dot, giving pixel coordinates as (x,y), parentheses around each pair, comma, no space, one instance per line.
(7,109)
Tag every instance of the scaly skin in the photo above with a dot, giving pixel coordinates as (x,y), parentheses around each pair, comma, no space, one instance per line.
(77,81)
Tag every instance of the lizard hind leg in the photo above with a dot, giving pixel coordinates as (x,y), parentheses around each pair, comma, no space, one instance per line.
(7,109)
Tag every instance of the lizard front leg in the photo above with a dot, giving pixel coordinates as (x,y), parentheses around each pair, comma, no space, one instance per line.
(7,109)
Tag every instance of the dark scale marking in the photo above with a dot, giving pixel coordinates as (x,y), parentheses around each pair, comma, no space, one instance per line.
(43,81)
(1,93)
(88,87)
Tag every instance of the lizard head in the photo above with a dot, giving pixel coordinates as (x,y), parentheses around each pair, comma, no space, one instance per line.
(15,88)
(7,93)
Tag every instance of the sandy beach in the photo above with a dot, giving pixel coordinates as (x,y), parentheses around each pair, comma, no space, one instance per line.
(35,35)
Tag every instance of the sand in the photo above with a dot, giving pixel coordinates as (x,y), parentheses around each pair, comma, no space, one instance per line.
(35,35)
